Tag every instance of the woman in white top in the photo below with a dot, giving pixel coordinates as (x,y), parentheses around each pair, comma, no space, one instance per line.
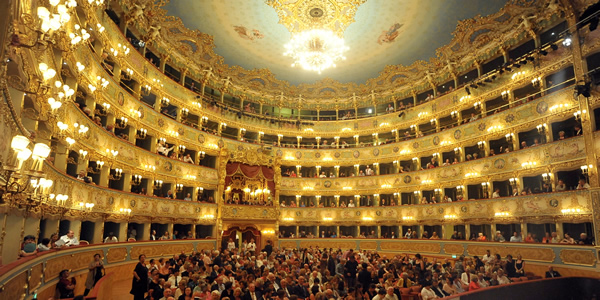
(230,245)
(427,293)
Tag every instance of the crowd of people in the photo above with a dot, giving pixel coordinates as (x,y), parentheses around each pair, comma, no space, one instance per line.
(314,273)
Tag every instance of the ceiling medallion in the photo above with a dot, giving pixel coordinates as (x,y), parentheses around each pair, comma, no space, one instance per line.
(317,28)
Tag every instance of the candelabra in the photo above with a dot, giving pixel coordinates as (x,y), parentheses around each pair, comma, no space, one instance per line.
(22,188)
(184,113)
(141,134)
(136,179)
(116,175)
(164,102)
(121,123)
(97,168)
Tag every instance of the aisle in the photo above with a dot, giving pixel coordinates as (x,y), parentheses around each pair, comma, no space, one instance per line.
(120,290)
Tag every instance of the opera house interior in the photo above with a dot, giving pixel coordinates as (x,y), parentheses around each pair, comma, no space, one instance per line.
(284,149)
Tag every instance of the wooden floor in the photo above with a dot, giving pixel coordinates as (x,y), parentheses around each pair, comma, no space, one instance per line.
(120,290)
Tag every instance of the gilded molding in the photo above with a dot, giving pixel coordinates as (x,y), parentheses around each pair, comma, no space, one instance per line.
(578,257)
(528,253)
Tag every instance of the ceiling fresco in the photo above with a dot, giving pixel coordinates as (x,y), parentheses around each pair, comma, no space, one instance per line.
(385,32)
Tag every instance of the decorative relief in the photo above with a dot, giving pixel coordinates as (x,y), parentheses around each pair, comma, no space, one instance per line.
(248,212)
(15,288)
(578,257)
(457,249)
(116,255)
(411,247)
(287,245)
(368,245)
(328,244)
(154,251)
(35,277)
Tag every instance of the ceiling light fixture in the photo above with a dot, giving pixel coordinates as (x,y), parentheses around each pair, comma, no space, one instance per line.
(316,50)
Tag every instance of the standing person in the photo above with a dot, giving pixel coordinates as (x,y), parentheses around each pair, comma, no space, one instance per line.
(251,247)
(350,270)
(139,284)
(94,274)
(268,248)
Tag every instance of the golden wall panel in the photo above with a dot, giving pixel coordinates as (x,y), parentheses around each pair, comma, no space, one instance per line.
(249,212)
(76,261)
(528,253)
(35,278)
(367,245)
(157,251)
(328,244)
(454,249)
(116,254)
(578,257)
(287,244)
(411,247)
(207,245)
(15,288)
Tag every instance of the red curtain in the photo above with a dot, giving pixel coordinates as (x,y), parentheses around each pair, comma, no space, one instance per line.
(251,172)
(247,234)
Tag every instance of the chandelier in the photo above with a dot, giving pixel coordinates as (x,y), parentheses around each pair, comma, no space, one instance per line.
(316,50)
(317,28)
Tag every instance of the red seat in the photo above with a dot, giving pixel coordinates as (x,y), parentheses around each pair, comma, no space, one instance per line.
(84,242)
(515,279)
(131,240)
(523,278)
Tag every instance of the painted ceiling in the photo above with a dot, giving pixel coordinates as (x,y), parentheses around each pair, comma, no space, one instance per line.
(247,33)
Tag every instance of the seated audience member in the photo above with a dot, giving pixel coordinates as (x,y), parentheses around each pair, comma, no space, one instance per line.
(516,238)
(583,185)
(44,245)
(427,293)
(551,273)
(28,248)
(502,279)
(560,186)
(474,285)
(585,240)
(65,285)
(568,239)
(111,238)
(69,239)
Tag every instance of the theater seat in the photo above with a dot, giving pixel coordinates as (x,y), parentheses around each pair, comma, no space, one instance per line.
(84,242)
(515,279)
(524,278)
(131,240)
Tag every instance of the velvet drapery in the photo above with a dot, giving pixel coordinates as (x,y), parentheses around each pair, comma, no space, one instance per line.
(251,172)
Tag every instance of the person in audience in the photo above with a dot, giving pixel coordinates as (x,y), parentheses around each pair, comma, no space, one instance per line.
(28,248)
(516,238)
(568,239)
(502,279)
(95,269)
(499,237)
(474,285)
(585,240)
(560,186)
(583,185)
(551,273)
(188,159)
(162,148)
(519,266)
(66,285)
(578,130)
(69,239)
(561,135)
(44,245)
(427,293)
(496,193)
(111,238)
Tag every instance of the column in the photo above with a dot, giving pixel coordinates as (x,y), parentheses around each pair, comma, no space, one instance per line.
(122,234)
(279,136)
(76,227)
(127,181)
(104,171)
(467,231)
(99,233)
(183,75)
(170,229)
(396,135)
(356,142)
(12,226)
(145,235)
(60,159)
(337,171)
(298,170)
(356,169)
(416,163)
(376,167)
(420,231)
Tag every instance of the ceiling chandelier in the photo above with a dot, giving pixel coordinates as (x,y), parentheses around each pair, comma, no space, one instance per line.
(317,28)
(316,50)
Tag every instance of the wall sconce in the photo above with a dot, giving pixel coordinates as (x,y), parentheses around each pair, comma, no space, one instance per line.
(136,179)
(505,94)
(485,186)
(541,128)
(477,105)
(150,168)
(528,164)
(98,168)
(135,113)
(86,206)
(122,123)
(450,217)
(146,90)
(407,218)
(179,187)
(158,184)
(200,190)
(454,115)
(83,153)
(537,82)
(204,120)
(114,153)
(508,137)
(201,154)
(181,148)
(513,181)
(184,113)
(125,211)
(571,211)
(327,219)
(457,150)
(118,173)
(578,113)
(502,214)
(223,126)
(164,102)
(585,169)
(546,177)
(433,121)
(127,74)
(473,174)
(70,141)
(495,128)
(141,134)
(559,107)
(459,188)
(413,127)
(481,145)
(102,82)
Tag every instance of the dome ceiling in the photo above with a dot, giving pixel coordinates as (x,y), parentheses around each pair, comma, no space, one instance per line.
(248,34)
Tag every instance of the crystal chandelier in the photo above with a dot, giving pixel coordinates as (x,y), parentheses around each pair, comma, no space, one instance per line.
(316,49)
